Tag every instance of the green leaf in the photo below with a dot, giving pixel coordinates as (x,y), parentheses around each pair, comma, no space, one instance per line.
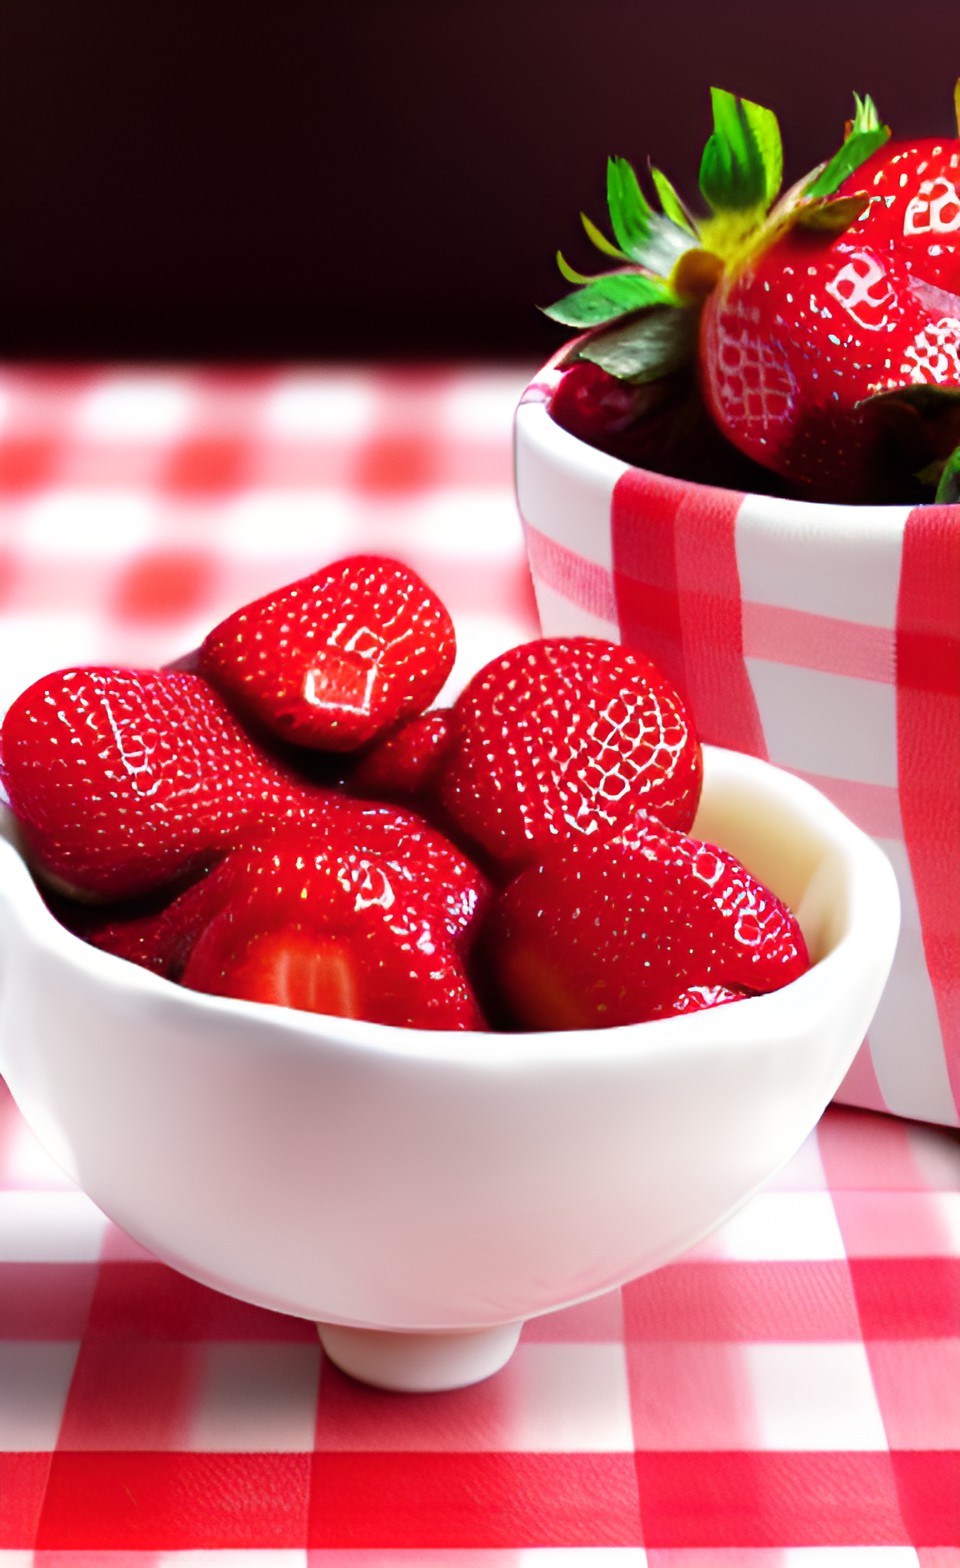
(948,486)
(598,238)
(742,165)
(670,202)
(833,214)
(571,274)
(928,399)
(647,237)
(649,347)
(604,299)
(866,136)
(866,116)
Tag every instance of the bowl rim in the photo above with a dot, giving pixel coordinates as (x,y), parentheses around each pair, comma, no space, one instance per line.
(533,423)
(868,875)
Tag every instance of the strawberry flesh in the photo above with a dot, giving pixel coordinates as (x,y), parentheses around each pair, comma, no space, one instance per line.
(336,659)
(317,924)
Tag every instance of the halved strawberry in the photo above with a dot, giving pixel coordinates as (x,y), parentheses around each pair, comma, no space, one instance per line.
(123,781)
(564,737)
(613,932)
(336,659)
(313,923)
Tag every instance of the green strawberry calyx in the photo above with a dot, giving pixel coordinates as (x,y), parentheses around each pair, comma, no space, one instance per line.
(639,318)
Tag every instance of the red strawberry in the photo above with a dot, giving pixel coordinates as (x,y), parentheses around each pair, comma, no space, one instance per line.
(419,861)
(318,925)
(123,781)
(334,660)
(565,737)
(610,933)
(825,328)
(795,387)
(695,999)
(403,764)
(914,206)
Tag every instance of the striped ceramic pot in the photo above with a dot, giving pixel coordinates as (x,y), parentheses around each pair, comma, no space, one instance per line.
(825,639)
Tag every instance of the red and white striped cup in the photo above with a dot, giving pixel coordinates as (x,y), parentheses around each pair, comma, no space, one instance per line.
(823,638)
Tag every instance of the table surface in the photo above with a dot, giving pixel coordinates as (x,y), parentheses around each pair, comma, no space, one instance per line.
(787,1395)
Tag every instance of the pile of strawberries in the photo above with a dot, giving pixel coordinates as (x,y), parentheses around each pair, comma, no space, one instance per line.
(283,817)
(805,342)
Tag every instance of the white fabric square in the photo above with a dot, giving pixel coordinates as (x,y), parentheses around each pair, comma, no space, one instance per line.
(50,1227)
(293,531)
(137,406)
(318,406)
(811,1398)
(480,406)
(88,525)
(569,1399)
(778,1227)
(34,1382)
(451,524)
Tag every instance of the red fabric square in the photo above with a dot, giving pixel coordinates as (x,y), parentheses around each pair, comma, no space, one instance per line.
(433,1501)
(164,585)
(174,1502)
(753,1500)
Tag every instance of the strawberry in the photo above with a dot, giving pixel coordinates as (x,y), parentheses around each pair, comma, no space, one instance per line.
(824,327)
(403,764)
(613,932)
(914,206)
(695,999)
(417,858)
(313,922)
(565,736)
(336,659)
(124,781)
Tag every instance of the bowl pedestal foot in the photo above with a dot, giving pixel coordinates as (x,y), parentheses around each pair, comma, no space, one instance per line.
(419,1363)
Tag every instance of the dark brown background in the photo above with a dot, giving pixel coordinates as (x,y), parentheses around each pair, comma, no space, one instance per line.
(387,177)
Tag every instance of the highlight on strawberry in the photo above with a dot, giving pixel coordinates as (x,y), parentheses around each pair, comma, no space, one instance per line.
(804,341)
(293,823)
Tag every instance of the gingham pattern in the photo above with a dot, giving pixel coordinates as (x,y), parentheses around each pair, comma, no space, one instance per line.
(829,646)
(782,1397)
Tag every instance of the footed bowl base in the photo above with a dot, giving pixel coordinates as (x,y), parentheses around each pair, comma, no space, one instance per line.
(419,1363)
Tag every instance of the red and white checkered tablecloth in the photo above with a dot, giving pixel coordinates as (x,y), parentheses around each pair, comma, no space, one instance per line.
(785,1396)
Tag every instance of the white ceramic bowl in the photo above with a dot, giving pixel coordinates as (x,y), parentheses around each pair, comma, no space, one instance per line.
(420,1194)
(822,638)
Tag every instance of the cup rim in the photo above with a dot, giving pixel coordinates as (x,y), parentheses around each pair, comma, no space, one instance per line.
(532,422)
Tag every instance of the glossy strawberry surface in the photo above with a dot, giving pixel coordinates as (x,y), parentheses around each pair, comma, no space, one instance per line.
(597,935)
(564,737)
(124,780)
(334,660)
(796,344)
(419,862)
(404,763)
(914,207)
(318,924)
